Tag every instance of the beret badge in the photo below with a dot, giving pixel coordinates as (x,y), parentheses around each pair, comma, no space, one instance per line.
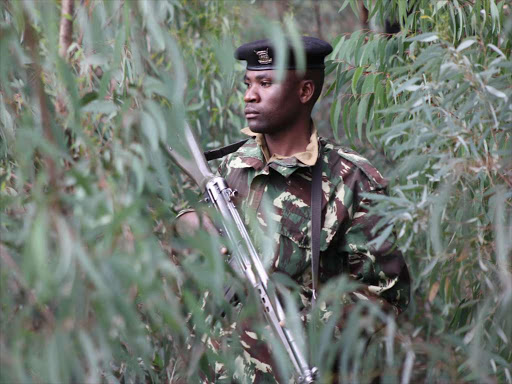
(263,57)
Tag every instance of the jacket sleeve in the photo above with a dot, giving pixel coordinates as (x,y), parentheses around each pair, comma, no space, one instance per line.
(382,270)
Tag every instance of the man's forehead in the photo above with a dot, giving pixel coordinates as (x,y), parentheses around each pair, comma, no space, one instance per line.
(259,74)
(270,74)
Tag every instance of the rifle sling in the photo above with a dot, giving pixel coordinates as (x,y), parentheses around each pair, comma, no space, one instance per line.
(223,151)
(316,222)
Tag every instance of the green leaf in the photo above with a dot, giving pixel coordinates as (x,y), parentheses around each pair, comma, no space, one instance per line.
(156,113)
(424,37)
(497,50)
(152,25)
(298,47)
(382,52)
(370,120)
(343,6)
(345,116)
(88,97)
(402,12)
(465,44)
(368,84)
(348,51)
(352,118)
(338,43)
(278,39)
(355,9)
(355,79)
(150,130)
(335,115)
(380,97)
(361,114)
(495,16)
(330,89)
(381,238)
(493,91)
(100,106)
(358,50)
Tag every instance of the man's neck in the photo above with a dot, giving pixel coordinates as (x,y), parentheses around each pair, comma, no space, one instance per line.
(290,141)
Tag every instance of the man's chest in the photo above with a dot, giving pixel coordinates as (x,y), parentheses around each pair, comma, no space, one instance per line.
(277,212)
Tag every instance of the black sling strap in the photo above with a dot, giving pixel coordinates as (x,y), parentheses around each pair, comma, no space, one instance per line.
(221,152)
(316,222)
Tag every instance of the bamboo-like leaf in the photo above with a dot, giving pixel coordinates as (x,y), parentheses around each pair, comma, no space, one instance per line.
(424,38)
(335,115)
(361,114)
(345,116)
(298,48)
(465,44)
(337,44)
(279,42)
(96,286)
(493,91)
(355,79)
(495,16)
(368,84)
(352,124)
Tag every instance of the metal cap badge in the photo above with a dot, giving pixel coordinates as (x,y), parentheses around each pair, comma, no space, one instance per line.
(263,57)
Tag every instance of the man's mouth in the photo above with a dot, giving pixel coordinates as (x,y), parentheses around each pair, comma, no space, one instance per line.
(250,113)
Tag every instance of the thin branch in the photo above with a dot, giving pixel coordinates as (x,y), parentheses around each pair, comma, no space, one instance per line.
(363,16)
(32,41)
(66,27)
(318,18)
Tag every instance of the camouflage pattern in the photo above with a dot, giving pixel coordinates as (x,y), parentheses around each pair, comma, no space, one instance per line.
(274,198)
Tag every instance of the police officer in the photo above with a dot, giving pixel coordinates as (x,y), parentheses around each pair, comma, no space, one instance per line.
(273,172)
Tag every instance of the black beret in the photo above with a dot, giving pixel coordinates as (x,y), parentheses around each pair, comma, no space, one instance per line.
(260,54)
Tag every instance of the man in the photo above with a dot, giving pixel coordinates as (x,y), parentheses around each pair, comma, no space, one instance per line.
(275,165)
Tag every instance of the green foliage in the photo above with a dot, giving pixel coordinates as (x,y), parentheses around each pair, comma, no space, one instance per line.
(91,290)
(436,99)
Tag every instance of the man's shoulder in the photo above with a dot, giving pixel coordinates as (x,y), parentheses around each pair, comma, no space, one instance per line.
(247,155)
(343,162)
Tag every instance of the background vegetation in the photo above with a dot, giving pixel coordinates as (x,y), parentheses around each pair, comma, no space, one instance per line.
(91,290)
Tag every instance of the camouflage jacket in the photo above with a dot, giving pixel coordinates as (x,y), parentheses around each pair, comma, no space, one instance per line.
(276,194)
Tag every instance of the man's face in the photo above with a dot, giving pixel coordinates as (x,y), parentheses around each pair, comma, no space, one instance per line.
(271,107)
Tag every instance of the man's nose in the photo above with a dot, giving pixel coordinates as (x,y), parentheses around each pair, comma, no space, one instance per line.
(251,96)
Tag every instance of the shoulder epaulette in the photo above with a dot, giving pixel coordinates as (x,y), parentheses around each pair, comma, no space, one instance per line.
(362,163)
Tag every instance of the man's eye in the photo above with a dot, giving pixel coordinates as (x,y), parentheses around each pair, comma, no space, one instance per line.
(246,85)
(266,83)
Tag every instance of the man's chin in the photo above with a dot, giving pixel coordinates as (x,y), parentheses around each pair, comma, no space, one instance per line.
(257,128)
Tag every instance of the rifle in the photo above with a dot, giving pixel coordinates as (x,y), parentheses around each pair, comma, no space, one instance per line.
(245,259)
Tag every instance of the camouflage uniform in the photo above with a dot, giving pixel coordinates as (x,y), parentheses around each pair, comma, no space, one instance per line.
(285,184)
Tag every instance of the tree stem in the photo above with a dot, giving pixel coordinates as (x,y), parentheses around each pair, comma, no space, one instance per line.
(66,27)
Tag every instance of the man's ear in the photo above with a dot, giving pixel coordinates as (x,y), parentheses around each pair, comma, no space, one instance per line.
(306,90)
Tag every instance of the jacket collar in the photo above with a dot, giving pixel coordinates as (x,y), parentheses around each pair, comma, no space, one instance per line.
(254,154)
(305,158)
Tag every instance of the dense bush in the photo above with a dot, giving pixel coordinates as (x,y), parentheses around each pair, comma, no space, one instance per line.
(90,287)
(436,98)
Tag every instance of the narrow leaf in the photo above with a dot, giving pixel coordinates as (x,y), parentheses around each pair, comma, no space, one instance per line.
(495,92)
(465,44)
(355,79)
(361,114)
(369,84)
(335,116)
(424,38)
